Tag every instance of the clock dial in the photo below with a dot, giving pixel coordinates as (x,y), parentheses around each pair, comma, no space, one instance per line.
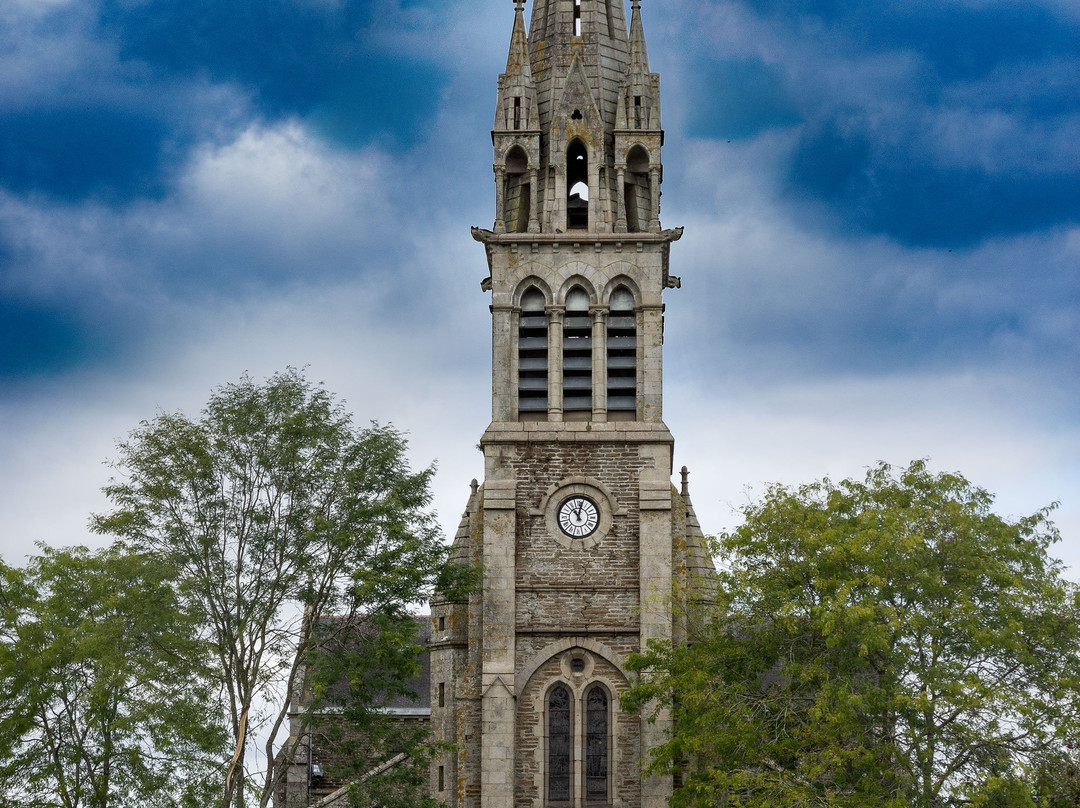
(578,517)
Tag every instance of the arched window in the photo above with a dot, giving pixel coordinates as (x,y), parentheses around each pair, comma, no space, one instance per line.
(596,745)
(638,191)
(621,354)
(560,735)
(577,353)
(533,354)
(516,197)
(577,183)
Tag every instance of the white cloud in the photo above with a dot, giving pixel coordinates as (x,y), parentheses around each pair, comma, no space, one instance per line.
(272,206)
(743,437)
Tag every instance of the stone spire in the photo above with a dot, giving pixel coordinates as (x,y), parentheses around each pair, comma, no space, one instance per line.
(516,108)
(639,55)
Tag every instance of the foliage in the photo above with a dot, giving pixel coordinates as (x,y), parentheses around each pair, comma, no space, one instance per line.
(357,669)
(275,507)
(108,703)
(1057,778)
(891,642)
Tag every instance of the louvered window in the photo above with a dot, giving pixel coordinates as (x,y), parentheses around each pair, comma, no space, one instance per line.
(533,354)
(559,738)
(577,353)
(596,745)
(622,353)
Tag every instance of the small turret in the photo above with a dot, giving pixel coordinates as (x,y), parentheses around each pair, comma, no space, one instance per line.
(638,138)
(516,138)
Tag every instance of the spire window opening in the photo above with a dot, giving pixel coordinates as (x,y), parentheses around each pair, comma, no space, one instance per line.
(577,353)
(637,112)
(577,17)
(622,356)
(638,191)
(533,357)
(577,181)
(517,112)
(517,193)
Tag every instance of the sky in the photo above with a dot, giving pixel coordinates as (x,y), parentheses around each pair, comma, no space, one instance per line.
(881,259)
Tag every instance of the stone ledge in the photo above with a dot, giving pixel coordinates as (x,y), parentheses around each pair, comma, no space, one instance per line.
(577,432)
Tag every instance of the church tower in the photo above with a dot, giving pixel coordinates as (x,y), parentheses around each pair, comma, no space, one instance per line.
(587,548)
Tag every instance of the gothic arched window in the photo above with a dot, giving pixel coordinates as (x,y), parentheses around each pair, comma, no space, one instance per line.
(577,353)
(577,183)
(638,191)
(533,353)
(596,745)
(560,736)
(622,353)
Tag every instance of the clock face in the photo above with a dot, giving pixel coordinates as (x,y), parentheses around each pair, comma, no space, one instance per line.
(578,517)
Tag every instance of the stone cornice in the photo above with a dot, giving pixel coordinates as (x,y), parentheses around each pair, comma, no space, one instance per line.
(576,432)
(577,237)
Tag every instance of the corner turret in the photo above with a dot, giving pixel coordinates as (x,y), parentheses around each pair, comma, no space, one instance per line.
(516,138)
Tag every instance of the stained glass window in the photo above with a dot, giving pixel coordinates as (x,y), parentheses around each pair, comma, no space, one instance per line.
(559,736)
(596,745)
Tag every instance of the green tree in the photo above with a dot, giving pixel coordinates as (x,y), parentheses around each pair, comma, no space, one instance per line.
(891,642)
(106,703)
(1057,778)
(274,507)
(349,690)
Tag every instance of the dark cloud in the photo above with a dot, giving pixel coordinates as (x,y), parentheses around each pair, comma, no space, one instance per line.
(960,41)
(935,124)
(742,98)
(323,60)
(74,153)
(863,183)
(36,340)
(107,98)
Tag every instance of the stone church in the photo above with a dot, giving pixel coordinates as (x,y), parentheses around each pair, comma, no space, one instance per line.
(588,551)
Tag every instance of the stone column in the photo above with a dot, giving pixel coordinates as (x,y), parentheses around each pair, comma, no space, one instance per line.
(558,202)
(655,552)
(654,201)
(594,193)
(620,200)
(650,353)
(599,363)
(498,712)
(500,198)
(555,362)
(504,340)
(534,222)
(607,225)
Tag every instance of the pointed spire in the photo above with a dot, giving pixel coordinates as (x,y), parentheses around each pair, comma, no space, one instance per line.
(519,42)
(639,54)
(516,108)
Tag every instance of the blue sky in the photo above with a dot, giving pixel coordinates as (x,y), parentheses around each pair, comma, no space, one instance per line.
(881,260)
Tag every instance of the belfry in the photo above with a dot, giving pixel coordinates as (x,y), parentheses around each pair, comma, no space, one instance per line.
(588,551)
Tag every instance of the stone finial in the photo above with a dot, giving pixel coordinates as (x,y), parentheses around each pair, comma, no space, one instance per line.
(519,5)
(474,485)
(685,482)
